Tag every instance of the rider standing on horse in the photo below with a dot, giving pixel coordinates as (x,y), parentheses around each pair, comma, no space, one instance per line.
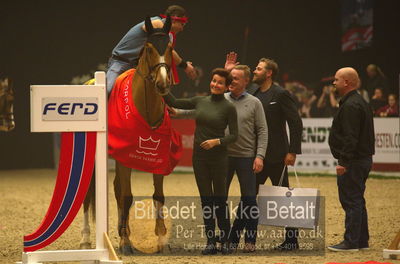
(126,54)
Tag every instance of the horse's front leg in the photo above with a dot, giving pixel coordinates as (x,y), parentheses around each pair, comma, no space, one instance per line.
(158,200)
(123,195)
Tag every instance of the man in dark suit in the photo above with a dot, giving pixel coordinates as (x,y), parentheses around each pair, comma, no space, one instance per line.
(279,107)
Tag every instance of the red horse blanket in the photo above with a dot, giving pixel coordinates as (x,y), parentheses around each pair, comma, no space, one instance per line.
(131,141)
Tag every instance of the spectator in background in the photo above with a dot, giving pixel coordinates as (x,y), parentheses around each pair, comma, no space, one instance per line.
(327,103)
(391,109)
(377,100)
(307,104)
(375,78)
(296,90)
(363,93)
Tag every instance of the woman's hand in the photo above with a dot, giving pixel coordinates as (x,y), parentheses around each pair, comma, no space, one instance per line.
(172,111)
(209,144)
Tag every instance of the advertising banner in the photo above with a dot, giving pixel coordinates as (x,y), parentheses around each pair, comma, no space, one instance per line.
(316,155)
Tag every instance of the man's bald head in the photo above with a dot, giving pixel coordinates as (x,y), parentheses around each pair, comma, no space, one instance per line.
(346,80)
(351,75)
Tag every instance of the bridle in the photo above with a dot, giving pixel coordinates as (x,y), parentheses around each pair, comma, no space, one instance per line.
(150,76)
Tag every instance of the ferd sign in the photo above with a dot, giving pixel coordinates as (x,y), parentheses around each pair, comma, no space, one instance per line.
(70,108)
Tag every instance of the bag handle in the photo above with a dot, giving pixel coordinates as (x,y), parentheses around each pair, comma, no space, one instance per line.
(295,173)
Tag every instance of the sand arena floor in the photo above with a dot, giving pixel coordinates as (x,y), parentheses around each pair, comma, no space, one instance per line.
(25,195)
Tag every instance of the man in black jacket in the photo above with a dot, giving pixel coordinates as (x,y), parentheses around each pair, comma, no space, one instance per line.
(279,108)
(351,141)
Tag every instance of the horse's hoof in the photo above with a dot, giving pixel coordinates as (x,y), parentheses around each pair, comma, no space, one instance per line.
(163,247)
(85,245)
(126,250)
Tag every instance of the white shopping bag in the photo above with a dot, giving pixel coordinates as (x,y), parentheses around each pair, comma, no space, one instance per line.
(288,207)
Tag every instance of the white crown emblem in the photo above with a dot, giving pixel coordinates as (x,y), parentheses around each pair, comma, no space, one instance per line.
(149,143)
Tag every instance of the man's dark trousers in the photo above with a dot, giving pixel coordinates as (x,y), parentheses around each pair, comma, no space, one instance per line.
(351,186)
(247,212)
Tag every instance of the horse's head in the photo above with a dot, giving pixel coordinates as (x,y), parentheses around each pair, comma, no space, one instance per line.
(158,54)
(6,105)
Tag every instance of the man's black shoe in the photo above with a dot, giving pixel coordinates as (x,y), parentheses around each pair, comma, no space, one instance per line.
(343,246)
(210,249)
(363,246)
(226,248)
(249,248)
(288,246)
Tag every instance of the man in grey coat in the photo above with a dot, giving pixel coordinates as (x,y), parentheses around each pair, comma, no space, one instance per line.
(246,155)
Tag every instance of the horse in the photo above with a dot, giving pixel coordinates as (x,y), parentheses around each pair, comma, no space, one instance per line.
(6,105)
(152,80)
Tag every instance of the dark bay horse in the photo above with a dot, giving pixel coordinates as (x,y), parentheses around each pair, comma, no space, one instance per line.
(6,105)
(151,80)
